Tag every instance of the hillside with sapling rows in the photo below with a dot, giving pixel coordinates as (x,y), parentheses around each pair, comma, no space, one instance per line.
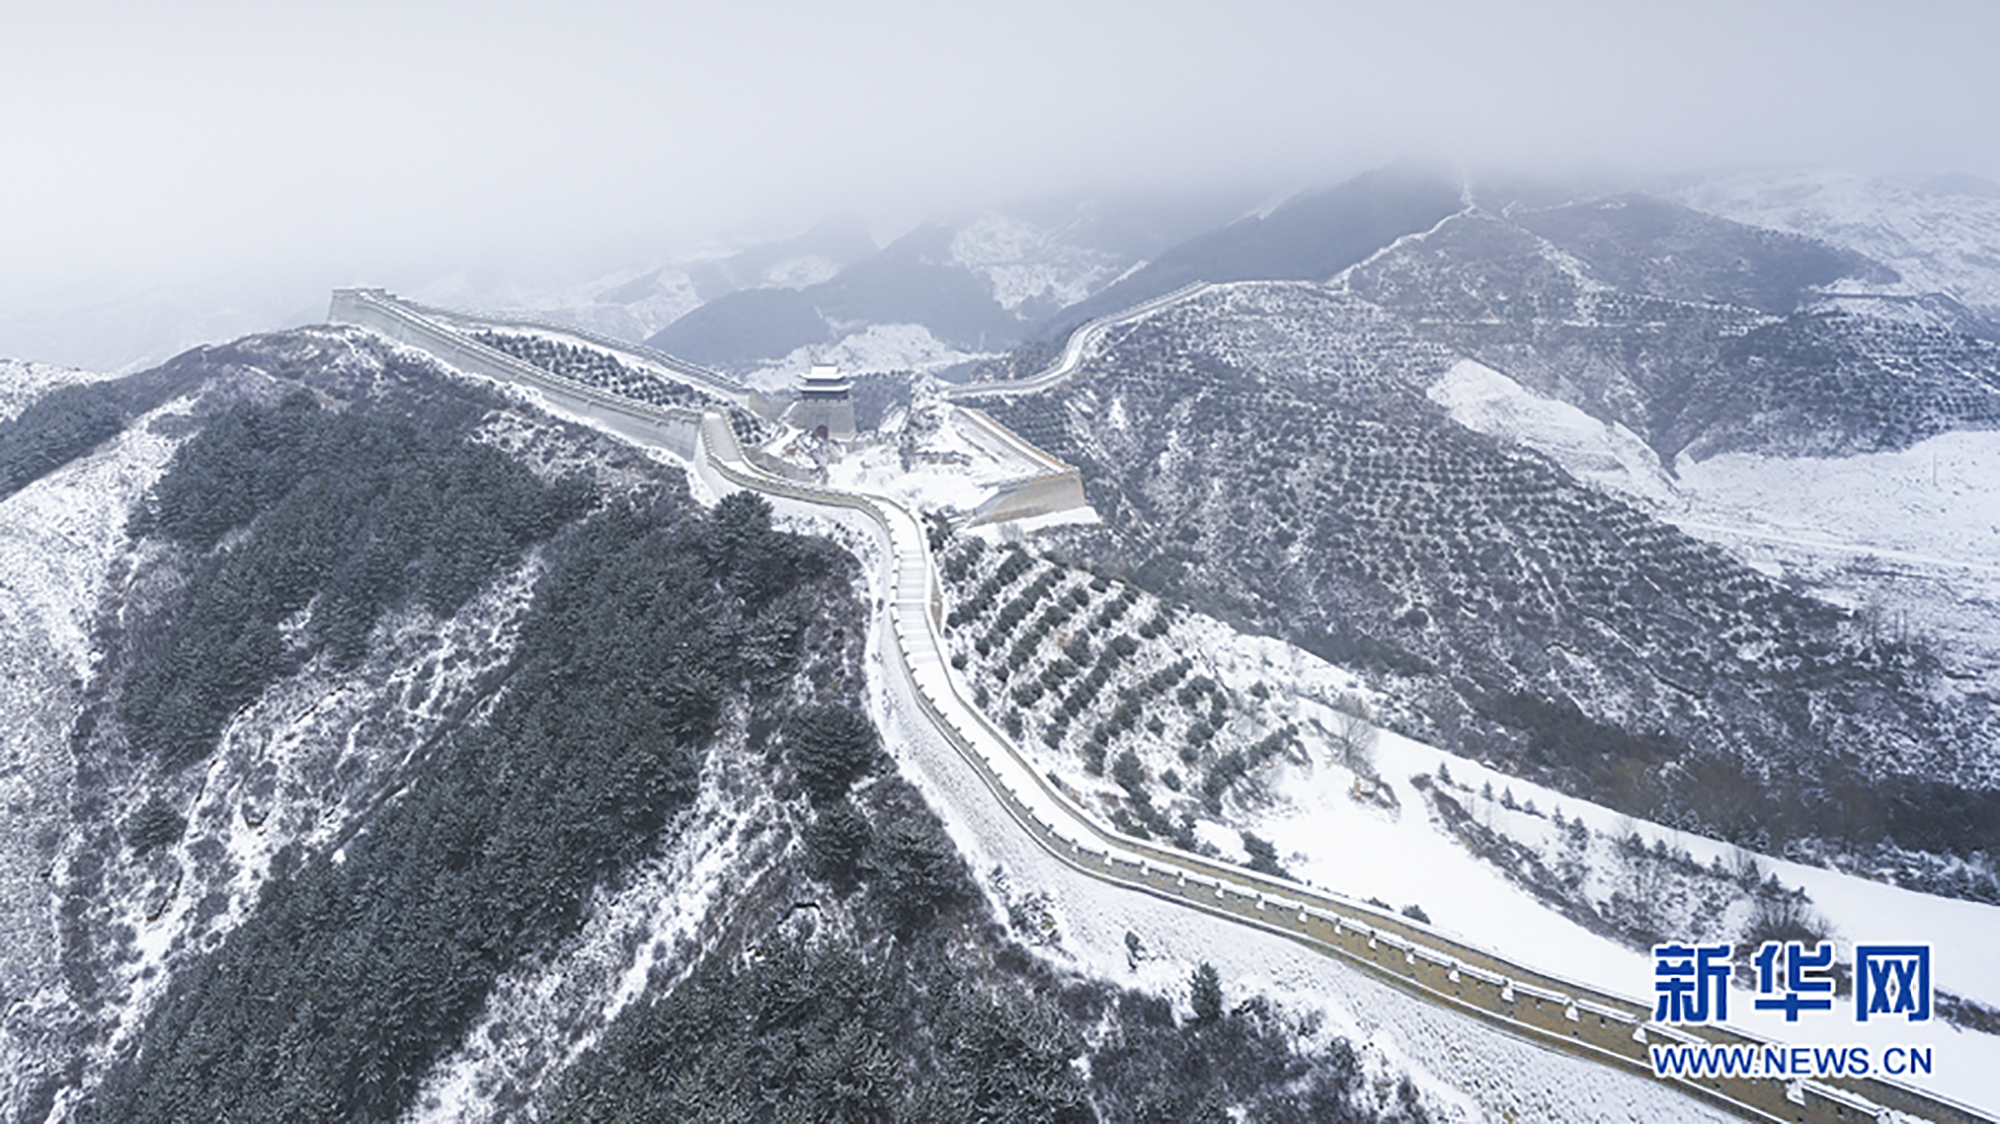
(1266,453)
(438,758)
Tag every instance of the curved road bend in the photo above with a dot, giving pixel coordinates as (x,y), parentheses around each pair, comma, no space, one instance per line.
(1546,1009)
(1539,1007)
(1080,340)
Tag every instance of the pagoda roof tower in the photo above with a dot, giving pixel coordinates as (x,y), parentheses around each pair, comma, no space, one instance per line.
(825,406)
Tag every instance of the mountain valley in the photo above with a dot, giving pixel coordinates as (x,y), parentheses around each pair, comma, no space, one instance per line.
(1551,571)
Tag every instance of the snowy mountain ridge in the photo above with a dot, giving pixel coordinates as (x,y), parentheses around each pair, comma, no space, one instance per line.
(21,382)
(1272,756)
(1042,588)
(1939,239)
(157,870)
(1023,262)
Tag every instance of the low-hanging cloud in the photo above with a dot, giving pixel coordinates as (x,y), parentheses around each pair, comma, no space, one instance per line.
(158,143)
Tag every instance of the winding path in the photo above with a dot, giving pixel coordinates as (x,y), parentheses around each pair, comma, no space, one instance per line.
(1541,1007)
(1080,341)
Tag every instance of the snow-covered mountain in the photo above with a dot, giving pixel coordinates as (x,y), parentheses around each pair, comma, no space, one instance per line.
(120,329)
(1309,237)
(946,292)
(1312,460)
(1171,724)
(1940,234)
(639,300)
(21,383)
(383,746)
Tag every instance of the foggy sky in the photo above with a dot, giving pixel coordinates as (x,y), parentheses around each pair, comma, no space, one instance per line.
(161,143)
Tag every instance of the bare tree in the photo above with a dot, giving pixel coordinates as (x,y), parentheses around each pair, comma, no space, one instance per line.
(1355,733)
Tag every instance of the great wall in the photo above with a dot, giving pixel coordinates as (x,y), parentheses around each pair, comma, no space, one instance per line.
(1534,1005)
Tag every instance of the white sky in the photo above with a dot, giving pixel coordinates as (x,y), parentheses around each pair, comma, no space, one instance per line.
(147,143)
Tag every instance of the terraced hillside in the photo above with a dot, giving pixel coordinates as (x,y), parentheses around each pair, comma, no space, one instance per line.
(1265,452)
(1100,670)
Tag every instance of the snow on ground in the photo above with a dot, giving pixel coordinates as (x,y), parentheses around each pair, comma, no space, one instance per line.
(297,767)
(948,466)
(878,469)
(1465,1068)
(1319,828)
(22,382)
(1936,503)
(877,348)
(662,919)
(59,539)
(1025,262)
(1605,454)
(1913,536)
(1858,298)
(801,271)
(1015,530)
(1939,242)
(1330,832)
(1910,538)
(61,533)
(1361,850)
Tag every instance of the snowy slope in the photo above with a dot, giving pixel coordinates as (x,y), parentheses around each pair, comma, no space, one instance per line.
(1094,923)
(1602,453)
(959,288)
(1912,536)
(1940,241)
(1403,856)
(1466,1070)
(1937,502)
(1026,262)
(21,382)
(658,922)
(58,539)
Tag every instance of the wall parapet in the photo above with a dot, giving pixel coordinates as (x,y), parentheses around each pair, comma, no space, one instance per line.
(713,383)
(377,310)
(1543,1007)
(1078,342)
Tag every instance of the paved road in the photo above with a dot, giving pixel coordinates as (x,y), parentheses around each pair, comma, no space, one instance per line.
(1081,340)
(1540,1007)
